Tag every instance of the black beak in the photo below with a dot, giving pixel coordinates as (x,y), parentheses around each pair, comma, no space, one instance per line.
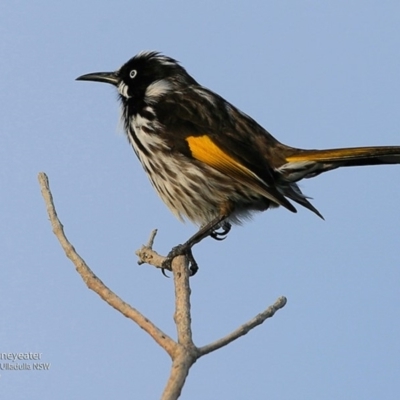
(106,77)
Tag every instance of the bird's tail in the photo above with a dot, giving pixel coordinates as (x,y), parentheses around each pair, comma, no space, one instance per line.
(299,164)
(308,163)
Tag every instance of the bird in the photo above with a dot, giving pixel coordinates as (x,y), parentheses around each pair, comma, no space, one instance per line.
(211,163)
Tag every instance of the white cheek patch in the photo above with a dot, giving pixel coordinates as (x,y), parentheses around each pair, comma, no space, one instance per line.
(123,90)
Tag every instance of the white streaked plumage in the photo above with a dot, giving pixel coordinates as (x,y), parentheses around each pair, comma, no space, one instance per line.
(156,90)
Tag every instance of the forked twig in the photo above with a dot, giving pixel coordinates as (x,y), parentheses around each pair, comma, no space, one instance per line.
(183,352)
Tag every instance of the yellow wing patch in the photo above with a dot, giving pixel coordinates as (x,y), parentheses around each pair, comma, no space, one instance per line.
(205,150)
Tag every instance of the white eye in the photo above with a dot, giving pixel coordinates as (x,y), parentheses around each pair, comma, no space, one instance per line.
(132,74)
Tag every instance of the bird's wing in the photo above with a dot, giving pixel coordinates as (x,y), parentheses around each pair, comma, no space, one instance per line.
(206,128)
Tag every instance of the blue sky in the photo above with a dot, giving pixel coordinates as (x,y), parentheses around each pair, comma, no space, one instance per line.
(315,74)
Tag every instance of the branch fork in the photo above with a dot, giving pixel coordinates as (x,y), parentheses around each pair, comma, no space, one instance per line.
(183,352)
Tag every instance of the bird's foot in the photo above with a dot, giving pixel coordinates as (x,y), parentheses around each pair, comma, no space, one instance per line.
(180,250)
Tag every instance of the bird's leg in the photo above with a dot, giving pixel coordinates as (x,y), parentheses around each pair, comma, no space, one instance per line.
(186,248)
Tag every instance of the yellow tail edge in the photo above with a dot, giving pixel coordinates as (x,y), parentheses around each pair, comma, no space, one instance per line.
(343,154)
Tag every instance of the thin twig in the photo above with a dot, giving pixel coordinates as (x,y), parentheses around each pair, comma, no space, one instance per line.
(93,282)
(147,255)
(150,242)
(245,328)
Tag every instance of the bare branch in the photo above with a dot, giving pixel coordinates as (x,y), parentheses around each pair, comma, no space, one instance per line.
(93,282)
(147,255)
(150,242)
(182,316)
(244,329)
(184,353)
(179,371)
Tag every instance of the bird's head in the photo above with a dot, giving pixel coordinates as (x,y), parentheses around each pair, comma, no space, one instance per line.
(147,75)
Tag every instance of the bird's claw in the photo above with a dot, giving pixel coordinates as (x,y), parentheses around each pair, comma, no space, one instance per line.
(180,250)
(221,235)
